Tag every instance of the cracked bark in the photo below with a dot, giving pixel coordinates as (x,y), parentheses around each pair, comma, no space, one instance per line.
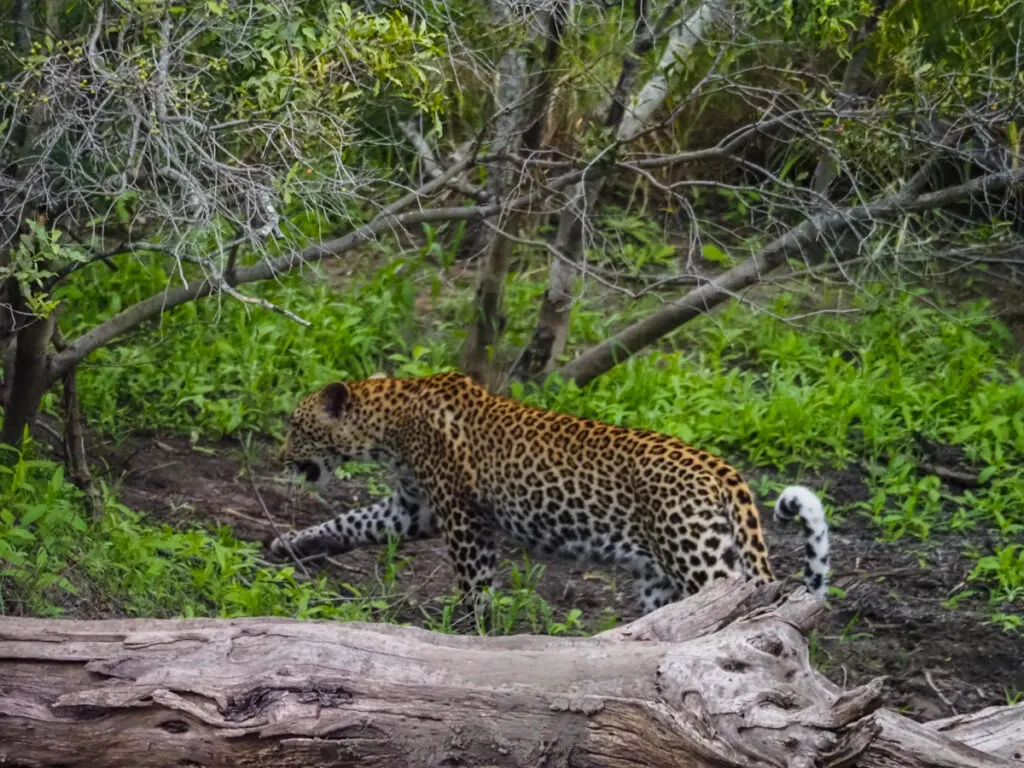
(721,679)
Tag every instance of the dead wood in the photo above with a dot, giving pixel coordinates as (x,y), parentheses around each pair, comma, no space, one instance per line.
(722,679)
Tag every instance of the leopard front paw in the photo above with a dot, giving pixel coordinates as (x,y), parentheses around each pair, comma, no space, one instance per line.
(283,546)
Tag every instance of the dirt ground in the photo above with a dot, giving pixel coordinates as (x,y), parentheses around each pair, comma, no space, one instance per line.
(891,623)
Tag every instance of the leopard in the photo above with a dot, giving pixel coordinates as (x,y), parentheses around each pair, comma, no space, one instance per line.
(470,465)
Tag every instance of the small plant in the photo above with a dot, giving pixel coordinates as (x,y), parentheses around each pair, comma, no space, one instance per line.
(920,501)
(1003,572)
(849,633)
(391,563)
(516,609)
(40,513)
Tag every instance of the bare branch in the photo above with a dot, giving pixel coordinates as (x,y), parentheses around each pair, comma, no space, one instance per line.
(808,235)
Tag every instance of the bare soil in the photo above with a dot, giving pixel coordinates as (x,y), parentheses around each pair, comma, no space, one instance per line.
(892,621)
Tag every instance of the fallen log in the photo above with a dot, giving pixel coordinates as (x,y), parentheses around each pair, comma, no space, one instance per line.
(721,679)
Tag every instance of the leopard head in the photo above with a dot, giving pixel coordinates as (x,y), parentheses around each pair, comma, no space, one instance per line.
(328,428)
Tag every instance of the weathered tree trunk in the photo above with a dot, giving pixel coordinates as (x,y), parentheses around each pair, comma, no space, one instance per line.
(695,684)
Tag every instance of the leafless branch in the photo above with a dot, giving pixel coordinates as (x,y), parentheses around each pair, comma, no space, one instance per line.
(814,232)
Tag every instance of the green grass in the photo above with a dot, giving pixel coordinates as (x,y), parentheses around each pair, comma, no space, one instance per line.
(867,388)
(517,608)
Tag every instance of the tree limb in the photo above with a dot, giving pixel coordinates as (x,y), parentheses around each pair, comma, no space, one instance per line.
(603,357)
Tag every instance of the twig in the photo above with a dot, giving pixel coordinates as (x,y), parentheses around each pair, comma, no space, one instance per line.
(940,694)
(432,168)
(966,479)
(879,574)
(340,565)
(242,516)
(957,476)
(262,303)
(295,556)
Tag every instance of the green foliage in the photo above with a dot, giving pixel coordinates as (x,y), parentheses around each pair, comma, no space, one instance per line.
(303,56)
(1004,569)
(818,23)
(32,261)
(53,557)
(951,49)
(917,43)
(217,367)
(39,517)
(758,386)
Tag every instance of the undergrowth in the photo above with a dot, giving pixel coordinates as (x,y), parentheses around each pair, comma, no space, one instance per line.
(879,386)
(56,559)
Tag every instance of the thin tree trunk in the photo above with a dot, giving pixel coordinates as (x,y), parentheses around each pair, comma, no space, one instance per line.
(74,445)
(552,330)
(74,435)
(29,380)
(511,106)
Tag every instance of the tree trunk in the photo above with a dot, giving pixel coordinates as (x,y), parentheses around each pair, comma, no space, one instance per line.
(552,331)
(825,171)
(29,380)
(488,322)
(690,685)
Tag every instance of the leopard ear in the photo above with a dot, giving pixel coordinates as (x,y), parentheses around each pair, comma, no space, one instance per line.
(378,375)
(334,397)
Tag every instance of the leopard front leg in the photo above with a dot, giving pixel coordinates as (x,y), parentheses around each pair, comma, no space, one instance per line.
(472,549)
(405,514)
